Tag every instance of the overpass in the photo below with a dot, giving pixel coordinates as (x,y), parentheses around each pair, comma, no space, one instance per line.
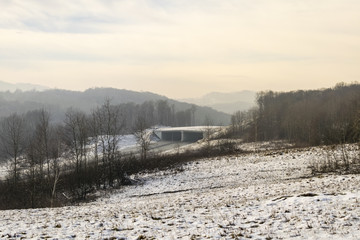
(184,134)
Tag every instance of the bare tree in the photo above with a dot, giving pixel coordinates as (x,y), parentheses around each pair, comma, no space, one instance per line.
(142,136)
(55,182)
(56,150)
(238,122)
(13,140)
(164,112)
(42,137)
(193,110)
(208,130)
(94,134)
(76,134)
(110,125)
(31,174)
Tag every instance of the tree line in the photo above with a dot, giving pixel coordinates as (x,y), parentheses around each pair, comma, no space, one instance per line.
(58,101)
(313,117)
(46,155)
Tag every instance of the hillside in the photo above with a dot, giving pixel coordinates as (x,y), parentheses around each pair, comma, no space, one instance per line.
(253,196)
(58,101)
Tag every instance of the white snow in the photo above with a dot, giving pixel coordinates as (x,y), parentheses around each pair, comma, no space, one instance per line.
(190,128)
(126,141)
(4,169)
(266,195)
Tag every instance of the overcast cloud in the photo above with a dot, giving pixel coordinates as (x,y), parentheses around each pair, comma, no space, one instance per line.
(180,48)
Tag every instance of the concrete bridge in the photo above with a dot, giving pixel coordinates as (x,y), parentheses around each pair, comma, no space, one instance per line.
(184,134)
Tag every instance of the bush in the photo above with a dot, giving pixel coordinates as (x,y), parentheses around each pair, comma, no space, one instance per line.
(341,159)
(76,185)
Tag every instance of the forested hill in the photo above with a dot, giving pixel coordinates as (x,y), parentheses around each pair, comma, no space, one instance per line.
(57,101)
(325,116)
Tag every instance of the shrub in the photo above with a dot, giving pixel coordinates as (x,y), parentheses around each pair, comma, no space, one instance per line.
(342,159)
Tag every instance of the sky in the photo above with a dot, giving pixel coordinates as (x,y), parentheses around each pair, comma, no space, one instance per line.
(180,48)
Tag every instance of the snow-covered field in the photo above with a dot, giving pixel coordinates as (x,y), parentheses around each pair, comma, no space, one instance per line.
(266,195)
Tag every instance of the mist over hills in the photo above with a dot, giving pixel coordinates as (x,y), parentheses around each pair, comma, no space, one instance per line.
(226,102)
(57,101)
(5,86)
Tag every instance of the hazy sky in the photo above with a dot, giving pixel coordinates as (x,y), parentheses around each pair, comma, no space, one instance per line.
(180,48)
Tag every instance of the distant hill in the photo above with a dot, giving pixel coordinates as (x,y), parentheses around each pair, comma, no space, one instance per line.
(226,102)
(5,86)
(58,101)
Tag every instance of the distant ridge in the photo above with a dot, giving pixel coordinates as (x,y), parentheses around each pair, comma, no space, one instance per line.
(57,101)
(5,86)
(226,102)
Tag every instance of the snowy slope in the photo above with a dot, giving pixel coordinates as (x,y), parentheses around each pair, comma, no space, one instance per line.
(260,195)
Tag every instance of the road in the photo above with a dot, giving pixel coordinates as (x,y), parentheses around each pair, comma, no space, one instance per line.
(156,147)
